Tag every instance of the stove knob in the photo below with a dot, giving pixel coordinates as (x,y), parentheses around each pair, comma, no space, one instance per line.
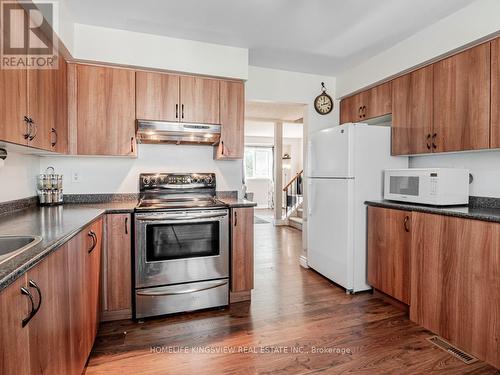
(209,180)
(153,180)
(188,180)
(146,180)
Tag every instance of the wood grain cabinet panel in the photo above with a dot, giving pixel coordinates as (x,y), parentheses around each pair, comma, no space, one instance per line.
(376,102)
(389,251)
(350,110)
(117,268)
(59,132)
(93,278)
(495,93)
(412,101)
(49,341)
(232,117)
(105,111)
(199,100)
(242,260)
(462,101)
(455,272)
(157,96)
(14,338)
(13,106)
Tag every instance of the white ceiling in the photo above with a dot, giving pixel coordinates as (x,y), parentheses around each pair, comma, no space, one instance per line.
(315,36)
(274,111)
(266,129)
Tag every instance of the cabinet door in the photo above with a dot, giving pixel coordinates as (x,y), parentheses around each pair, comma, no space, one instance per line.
(106,111)
(232,116)
(157,96)
(49,342)
(242,267)
(455,273)
(93,277)
(199,100)
(59,133)
(495,93)
(14,338)
(13,106)
(117,268)
(350,109)
(376,102)
(412,100)
(462,101)
(389,246)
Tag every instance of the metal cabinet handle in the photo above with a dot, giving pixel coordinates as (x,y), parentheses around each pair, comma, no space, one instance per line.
(26,320)
(26,135)
(132,145)
(359,112)
(32,284)
(182,110)
(35,126)
(434,146)
(177,111)
(126,225)
(364,111)
(405,223)
(428,143)
(54,142)
(222,143)
(93,236)
(235,218)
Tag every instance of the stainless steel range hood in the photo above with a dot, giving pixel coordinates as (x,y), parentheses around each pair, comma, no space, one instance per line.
(177,132)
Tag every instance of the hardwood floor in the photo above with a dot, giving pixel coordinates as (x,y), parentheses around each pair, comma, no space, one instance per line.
(322,330)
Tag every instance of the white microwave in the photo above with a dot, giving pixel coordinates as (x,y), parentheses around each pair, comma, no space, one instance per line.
(434,186)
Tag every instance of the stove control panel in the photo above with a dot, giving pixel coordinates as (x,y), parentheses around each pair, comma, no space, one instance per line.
(150,181)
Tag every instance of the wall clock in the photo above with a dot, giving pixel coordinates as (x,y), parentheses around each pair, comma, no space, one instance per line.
(323,104)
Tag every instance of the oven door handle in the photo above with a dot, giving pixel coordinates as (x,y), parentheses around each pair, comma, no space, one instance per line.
(184,291)
(181,217)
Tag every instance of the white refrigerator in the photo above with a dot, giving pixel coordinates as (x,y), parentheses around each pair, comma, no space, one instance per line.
(346,165)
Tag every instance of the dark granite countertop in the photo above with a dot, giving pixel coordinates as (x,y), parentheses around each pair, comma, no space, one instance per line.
(234,202)
(109,207)
(56,225)
(468,212)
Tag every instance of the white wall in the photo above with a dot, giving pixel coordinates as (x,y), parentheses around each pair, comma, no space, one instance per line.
(121,175)
(465,26)
(160,52)
(18,176)
(484,166)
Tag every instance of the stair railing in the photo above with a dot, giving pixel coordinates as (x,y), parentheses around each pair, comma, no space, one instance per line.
(292,196)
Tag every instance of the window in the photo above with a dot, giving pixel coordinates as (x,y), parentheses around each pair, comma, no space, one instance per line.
(259,162)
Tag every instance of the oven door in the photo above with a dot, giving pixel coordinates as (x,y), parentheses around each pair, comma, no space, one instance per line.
(181,247)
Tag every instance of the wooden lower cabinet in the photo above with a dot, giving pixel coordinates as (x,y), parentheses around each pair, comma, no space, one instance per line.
(117,268)
(242,262)
(455,282)
(59,336)
(389,251)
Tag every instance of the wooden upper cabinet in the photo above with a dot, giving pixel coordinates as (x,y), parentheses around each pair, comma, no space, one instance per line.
(455,272)
(157,96)
(242,259)
(232,117)
(376,102)
(117,281)
(389,251)
(59,132)
(13,106)
(199,100)
(412,101)
(350,111)
(495,93)
(105,106)
(462,101)
(14,338)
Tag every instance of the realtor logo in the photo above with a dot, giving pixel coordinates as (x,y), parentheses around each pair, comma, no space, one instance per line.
(27,37)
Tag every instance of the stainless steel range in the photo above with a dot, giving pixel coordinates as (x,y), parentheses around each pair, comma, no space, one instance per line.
(181,245)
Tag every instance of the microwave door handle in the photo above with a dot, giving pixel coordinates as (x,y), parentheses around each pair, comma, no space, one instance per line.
(177,292)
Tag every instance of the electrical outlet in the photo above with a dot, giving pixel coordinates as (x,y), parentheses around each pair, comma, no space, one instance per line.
(76,177)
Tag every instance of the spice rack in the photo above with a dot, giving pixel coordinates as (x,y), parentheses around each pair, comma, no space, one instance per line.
(49,188)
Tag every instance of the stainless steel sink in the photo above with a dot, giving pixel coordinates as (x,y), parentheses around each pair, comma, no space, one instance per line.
(10,246)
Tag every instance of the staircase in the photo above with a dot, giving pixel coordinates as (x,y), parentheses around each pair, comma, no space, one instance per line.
(292,201)
(295,220)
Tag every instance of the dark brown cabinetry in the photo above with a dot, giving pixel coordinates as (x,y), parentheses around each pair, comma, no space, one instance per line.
(50,314)
(242,267)
(389,252)
(412,104)
(366,105)
(455,272)
(462,101)
(495,93)
(117,268)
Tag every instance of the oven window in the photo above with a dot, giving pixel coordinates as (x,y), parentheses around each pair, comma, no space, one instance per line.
(178,241)
(404,185)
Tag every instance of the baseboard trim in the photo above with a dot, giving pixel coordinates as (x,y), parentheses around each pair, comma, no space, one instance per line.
(109,316)
(303,261)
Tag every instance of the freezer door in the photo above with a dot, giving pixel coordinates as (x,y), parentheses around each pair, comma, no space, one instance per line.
(330,152)
(330,229)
